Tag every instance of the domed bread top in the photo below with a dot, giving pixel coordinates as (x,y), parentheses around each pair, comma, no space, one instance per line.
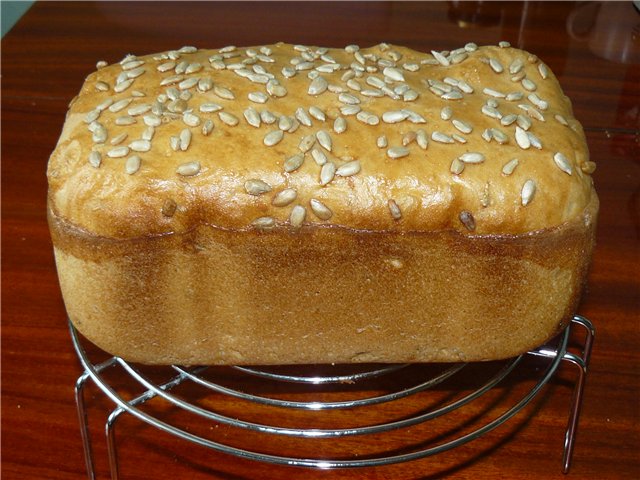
(478,139)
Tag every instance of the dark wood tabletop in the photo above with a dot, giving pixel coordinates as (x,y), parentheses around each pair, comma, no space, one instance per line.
(594,48)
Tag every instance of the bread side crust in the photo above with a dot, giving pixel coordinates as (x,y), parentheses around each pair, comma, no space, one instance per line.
(322,294)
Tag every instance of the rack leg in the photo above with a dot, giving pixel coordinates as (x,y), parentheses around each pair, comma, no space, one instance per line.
(576,404)
(84,425)
(112,449)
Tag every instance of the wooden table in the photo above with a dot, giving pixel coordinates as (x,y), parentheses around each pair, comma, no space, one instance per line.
(45,59)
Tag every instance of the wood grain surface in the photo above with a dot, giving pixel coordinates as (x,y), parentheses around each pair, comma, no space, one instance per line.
(44,61)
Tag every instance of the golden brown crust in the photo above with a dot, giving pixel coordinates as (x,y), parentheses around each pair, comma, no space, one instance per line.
(110,202)
(323,294)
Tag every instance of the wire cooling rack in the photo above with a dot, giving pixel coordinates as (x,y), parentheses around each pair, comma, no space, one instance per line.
(316,404)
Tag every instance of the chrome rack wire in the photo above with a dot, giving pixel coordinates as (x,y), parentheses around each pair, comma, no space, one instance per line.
(553,353)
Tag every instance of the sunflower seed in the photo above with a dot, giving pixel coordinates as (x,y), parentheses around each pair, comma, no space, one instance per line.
(264,223)
(508,119)
(188,83)
(348,169)
(535,141)
(258,97)
(317,86)
(275,89)
(117,140)
(442,60)
(207,127)
(136,72)
(381,141)
(375,82)
(528,84)
(499,136)
(252,117)
(523,122)
(267,117)
(228,118)
(320,210)
(118,152)
(205,84)
(491,112)
(472,157)
(303,117)
(441,137)
(514,96)
(319,156)
(184,139)
(171,80)
(563,163)
(166,66)
(493,93)
(285,123)
(95,159)
(293,163)
(307,143)
(495,65)
(510,166)
(152,120)
(92,116)
(422,139)
(324,139)
(493,103)
(132,165)
(223,92)
(147,136)
(273,137)
(284,197)
(120,105)
(328,68)
(255,186)
(107,102)
(288,72)
(140,145)
(99,135)
(297,216)
(139,109)
(348,99)
(408,137)
(121,87)
(561,119)
(102,86)
(397,152)
(528,190)
(395,116)
(537,101)
(188,169)
(452,95)
(316,113)
(462,126)
(457,166)
(368,118)
(465,87)
(516,66)
(522,139)
(409,96)
(191,119)
(174,142)
(466,218)
(394,74)
(177,106)
(543,71)
(327,172)
(446,113)
(125,120)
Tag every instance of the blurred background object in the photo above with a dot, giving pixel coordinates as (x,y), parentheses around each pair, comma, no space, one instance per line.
(11,12)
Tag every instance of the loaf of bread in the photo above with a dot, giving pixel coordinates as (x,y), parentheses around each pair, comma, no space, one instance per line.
(288,204)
